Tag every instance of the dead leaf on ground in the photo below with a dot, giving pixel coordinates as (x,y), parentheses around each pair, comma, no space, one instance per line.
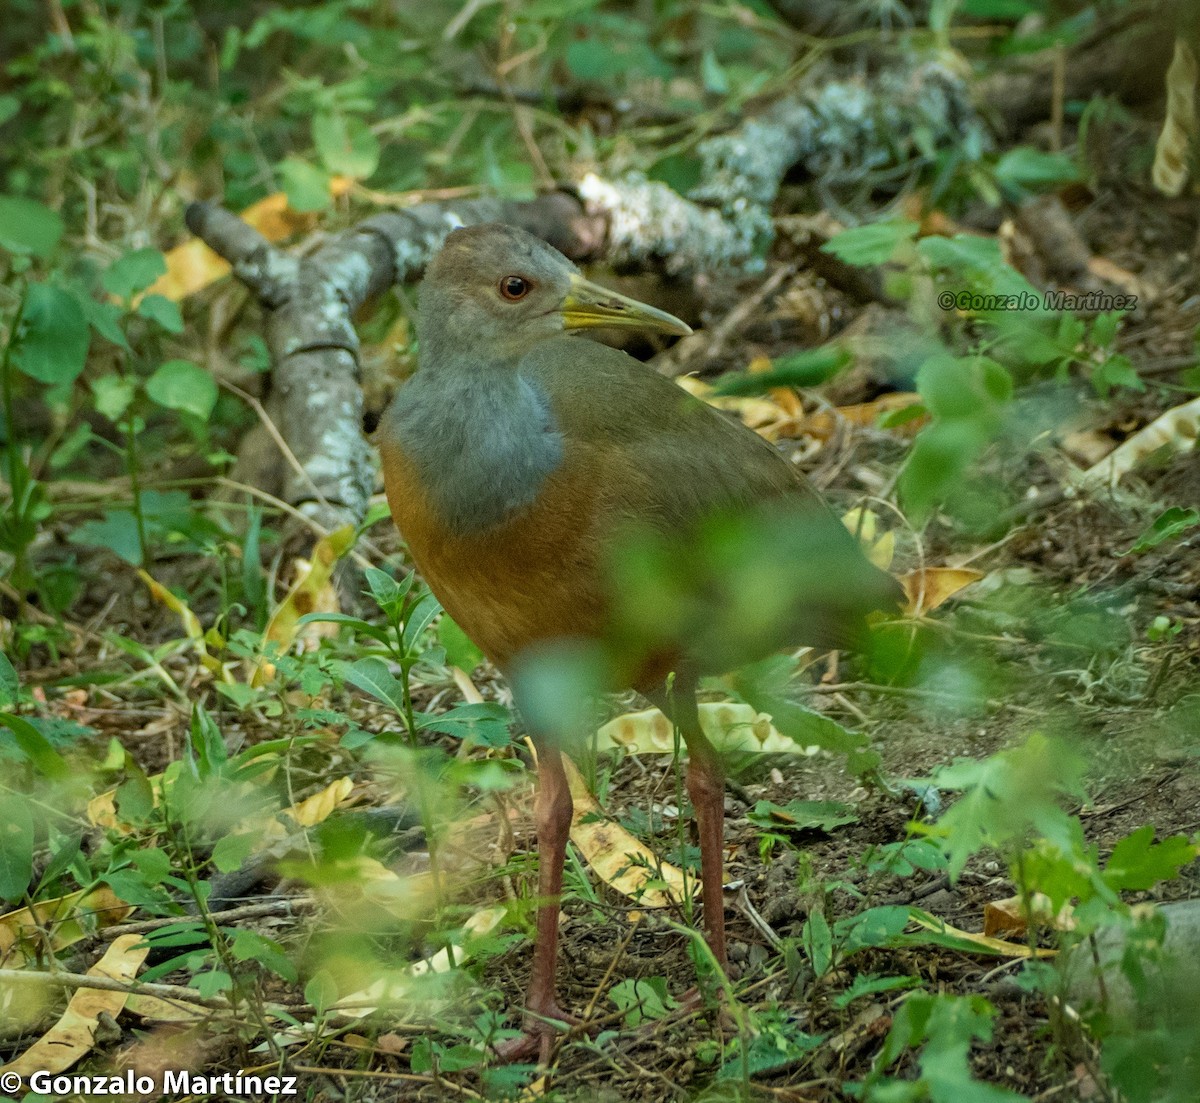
(983,941)
(730,726)
(71,1038)
(864,525)
(620,860)
(1176,430)
(928,587)
(311,593)
(1012,915)
(1172,155)
(822,424)
(67,919)
(192,266)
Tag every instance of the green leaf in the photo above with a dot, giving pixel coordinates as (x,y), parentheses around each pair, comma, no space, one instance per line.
(232,850)
(117,531)
(1008,797)
(345,144)
(35,746)
(10,683)
(486,722)
(420,617)
(182,385)
(163,312)
(27,227)
(1166,526)
(713,76)
(53,343)
(306,186)
(642,999)
(372,676)
(802,815)
(864,984)
(113,394)
(105,319)
(389,593)
(809,368)
(16,845)
(1116,371)
(817,939)
(871,928)
(459,647)
(1138,863)
(1026,169)
(867,246)
(133,272)
(963,253)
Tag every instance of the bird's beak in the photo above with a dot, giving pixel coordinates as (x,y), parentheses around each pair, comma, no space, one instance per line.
(588,304)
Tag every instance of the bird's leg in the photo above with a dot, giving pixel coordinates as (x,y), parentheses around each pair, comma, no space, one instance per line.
(706,788)
(552,810)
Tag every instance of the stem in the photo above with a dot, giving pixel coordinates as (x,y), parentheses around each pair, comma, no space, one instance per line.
(17,471)
(135,485)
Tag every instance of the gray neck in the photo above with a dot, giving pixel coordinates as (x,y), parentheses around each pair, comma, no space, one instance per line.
(482,438)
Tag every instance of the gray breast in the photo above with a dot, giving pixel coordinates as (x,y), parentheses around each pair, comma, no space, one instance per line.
(483,442)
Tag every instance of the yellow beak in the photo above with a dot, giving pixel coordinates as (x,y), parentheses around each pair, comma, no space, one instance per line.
(588,304)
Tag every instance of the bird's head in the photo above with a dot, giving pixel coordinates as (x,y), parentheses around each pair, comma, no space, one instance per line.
(504,290)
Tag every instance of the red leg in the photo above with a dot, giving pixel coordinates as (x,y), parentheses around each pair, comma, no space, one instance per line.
(706,787)
(552,810)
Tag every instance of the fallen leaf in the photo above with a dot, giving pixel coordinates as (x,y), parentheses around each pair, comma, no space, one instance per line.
(730,726)
(1171,157)
(192,266)
(1012,915)
(822,424)
(57,924)
(928,587)
(311,593)
(620,860)
(1176,429)
(969,939)
(71,1038)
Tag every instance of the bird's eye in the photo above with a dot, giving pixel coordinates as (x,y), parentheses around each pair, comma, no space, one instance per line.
(514,288)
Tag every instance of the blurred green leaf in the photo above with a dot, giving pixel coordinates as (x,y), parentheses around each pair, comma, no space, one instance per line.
(307,186)
(162,311)
(1166,526)
(27,227)
(867,246)
(345,144)
(16,845)
(133,272)
(182,385)
(53,343)
(809,368)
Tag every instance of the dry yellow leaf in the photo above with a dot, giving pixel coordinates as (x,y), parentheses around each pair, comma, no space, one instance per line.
(620,860)
(984,942)
(1012,915)
(311,593)
(192,266)
(822,424)
(72,1036)
(1180,126)
(730,726)
(929,587)
(1176,429)
(879,548)
(66,919)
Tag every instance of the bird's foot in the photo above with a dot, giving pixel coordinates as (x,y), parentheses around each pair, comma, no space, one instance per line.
(538,1035)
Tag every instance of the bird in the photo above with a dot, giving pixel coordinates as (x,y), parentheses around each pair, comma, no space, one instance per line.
(521,458)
